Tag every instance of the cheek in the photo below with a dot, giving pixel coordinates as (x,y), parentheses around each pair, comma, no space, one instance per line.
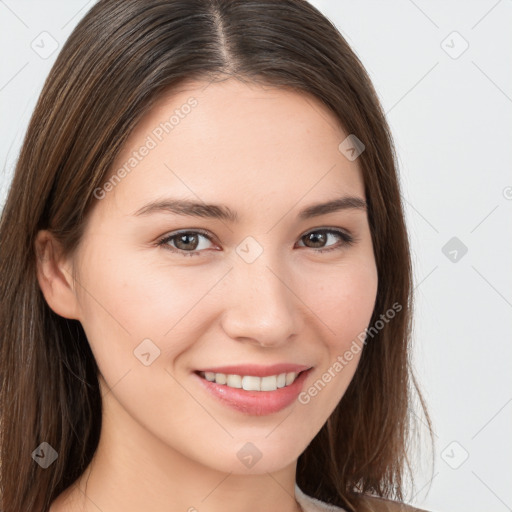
(344,299)
(343,302)
(126,297)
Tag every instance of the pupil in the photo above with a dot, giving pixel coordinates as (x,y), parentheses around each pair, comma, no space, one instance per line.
(316,236)
(184,237)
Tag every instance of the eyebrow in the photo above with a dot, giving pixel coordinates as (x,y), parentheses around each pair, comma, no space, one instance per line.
(218,211)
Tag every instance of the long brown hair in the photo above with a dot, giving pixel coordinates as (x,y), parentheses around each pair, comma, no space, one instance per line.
(120,59)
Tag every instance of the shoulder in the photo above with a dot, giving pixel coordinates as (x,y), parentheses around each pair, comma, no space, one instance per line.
(368,504)
(378,504)
(310,504)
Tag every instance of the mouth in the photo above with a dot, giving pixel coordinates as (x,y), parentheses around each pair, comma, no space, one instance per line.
(251,382)
(254,394)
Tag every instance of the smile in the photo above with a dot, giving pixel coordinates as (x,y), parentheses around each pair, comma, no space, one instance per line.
(251,382)
(276,389)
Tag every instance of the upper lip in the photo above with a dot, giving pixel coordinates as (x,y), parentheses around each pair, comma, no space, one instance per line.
(257,370)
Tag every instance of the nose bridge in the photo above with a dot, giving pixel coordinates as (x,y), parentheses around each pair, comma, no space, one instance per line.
(261,306)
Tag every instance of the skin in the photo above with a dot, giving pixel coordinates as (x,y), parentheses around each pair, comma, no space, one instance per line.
(166,443)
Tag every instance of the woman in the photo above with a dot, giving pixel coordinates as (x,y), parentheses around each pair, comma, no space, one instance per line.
(206,283)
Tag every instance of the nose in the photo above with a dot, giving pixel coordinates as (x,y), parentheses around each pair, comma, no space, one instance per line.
(262,306)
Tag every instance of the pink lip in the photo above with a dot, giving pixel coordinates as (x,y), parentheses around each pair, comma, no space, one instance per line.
(256,370)
(256,403)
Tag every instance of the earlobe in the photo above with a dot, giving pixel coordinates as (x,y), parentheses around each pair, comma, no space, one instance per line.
(54,276)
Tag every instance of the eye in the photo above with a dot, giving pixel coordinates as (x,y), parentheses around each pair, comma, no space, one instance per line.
(187,243)
(320,236)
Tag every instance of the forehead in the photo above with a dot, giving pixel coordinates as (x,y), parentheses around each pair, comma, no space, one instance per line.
(235,143)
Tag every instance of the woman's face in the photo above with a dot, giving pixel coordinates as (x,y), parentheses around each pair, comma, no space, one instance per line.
(241,285)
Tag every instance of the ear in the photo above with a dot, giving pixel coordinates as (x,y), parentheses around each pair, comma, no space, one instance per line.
(55,277)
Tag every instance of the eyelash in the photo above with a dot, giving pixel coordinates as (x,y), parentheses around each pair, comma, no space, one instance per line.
(347,240)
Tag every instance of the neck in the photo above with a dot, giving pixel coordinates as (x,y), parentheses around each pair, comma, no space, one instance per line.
(132,470)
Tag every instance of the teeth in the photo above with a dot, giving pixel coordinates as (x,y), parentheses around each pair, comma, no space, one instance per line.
(250,382)
(220,378)
(234,381)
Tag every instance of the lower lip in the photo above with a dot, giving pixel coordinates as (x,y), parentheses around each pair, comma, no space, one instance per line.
(256,403)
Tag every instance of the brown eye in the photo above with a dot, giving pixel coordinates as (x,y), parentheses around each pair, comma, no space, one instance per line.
(185,242)
(318,238)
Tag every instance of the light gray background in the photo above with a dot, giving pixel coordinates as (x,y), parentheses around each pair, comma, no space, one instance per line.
(450,113)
